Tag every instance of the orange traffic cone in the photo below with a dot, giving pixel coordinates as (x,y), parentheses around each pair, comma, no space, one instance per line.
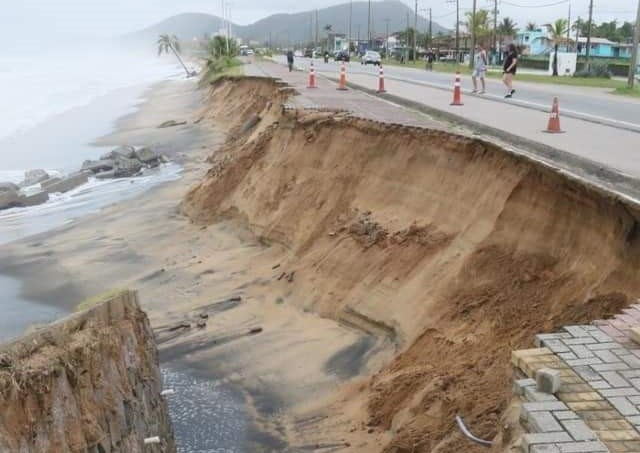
(457,92)
(554,119)
(381,81)
(312,77)
(343,78)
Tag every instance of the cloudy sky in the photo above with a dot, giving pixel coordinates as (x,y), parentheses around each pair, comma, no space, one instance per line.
(111,17)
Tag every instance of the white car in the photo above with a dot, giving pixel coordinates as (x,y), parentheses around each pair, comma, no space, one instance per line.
(371,57)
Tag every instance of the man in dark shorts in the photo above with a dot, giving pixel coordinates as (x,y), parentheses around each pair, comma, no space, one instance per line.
(290,60)
(509,69)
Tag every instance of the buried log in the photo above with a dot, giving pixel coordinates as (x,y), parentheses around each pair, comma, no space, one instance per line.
(182,325)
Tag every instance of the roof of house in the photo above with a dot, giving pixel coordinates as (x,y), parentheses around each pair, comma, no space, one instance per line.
(597,41)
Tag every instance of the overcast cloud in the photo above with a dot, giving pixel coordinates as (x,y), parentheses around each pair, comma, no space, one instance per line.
(38,18)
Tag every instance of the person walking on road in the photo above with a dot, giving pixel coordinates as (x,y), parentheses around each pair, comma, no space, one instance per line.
(429,59)
(479,68)
(509,69)
(290,59)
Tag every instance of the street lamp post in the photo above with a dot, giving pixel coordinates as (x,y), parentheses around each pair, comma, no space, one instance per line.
(472,52)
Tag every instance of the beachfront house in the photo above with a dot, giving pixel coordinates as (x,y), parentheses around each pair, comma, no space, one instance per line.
(534,42)
(601,47)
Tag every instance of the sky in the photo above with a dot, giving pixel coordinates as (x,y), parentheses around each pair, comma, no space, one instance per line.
(99,18)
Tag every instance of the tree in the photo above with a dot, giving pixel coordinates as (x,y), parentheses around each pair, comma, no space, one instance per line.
(328,28)
(478,24)
(218,47)
(532,26)
(558,32)
(170,42)
(506,29)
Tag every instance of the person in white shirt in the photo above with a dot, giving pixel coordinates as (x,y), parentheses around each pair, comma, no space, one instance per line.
(479,68)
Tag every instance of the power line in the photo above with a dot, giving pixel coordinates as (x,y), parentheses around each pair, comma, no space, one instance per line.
(562,2)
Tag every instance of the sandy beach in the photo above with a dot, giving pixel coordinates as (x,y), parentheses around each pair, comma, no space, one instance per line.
(182,269)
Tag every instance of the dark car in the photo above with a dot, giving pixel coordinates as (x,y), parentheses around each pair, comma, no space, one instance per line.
(308,53)
(343,55)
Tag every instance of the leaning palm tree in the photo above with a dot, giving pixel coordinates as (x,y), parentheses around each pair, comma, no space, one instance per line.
(506,29)
(170,42)
(558,31)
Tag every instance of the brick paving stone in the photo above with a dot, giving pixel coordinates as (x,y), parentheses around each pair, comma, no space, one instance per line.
(576,331)
(600,336)
(619,366)
(614,379)
(635,420)
(574,397)
(606,356)
(635,382)
(520,384)
(602,346)
(634,399)
(599,385)
(581,351)
(582,447)
(544,406)
(623,405)
(550,336)
(543,438)
(587,373)
(578,430)
(543,422)
(624,391)
(590,361)
(610,414)
(626,434)
(531,394)
(630,374)
(579,388)
(631,360)
(544,448)
(583,340)
(567,355)
(609,425)
(555,345)
(565,415)
(579,406)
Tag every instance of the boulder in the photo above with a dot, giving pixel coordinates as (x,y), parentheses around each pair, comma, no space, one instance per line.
(146,155)
(109,174)
(70,182)
(97,166)
(172,123)
(48,182)
(9,199)
(125,167)
(121,151)
(8,187)
(32,177)
(34,199)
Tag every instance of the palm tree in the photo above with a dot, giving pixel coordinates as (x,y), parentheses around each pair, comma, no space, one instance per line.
(170,42)
(478,24)
(558,32)
(532,26)
(506,29)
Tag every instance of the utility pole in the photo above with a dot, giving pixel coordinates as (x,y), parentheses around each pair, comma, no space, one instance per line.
(634,50)
(569,28)
(589,34)
(426,24)
(474,25)
(386,43)
(350,16)
(406,46)
(316,42)
(430,25)
(369,26)
(311,29)
(415,31)
(495,26)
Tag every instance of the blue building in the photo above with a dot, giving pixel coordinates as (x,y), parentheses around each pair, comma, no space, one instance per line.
(534,42)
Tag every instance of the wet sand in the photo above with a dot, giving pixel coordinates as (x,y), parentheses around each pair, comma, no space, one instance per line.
(182,270)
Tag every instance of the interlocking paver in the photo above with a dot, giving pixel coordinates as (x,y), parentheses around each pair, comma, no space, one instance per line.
(624,391)
(606,356)
(543,422)
(582,447)
(624,406)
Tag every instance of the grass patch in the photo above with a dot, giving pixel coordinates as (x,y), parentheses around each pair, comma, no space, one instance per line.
(95,300)
(626,91)
(219,67)
(279,300)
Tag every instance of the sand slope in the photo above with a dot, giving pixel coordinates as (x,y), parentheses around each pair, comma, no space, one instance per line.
(452,250)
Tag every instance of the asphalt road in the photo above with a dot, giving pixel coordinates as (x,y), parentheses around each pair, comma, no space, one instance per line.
(593,104)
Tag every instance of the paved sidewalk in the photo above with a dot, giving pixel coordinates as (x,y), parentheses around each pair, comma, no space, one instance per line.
(597,407)
(605,156)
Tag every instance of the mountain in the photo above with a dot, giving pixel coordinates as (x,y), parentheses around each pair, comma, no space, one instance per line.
(285,29)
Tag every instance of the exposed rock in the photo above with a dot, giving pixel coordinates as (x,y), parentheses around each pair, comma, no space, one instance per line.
(125,167)
(8,187)
(121,151)
(32,177)
(50,181)
(250,123)
(171,123)
(97,166)
(65,185)
(146,155)
(109,174)
(9,199)
(34,199)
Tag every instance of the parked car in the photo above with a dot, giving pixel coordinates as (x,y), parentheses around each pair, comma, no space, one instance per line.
(371,57)
(250,52)
(342,55)
(298,54)
(308,53)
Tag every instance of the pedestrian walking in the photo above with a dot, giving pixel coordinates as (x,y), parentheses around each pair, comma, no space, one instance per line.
(429,58)
(290,59)
(479,68)
(509,69)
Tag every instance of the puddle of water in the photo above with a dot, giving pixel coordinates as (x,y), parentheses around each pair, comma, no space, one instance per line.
(207,416)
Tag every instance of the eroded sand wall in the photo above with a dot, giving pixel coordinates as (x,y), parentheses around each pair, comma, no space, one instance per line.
(460,250)
(88,383)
